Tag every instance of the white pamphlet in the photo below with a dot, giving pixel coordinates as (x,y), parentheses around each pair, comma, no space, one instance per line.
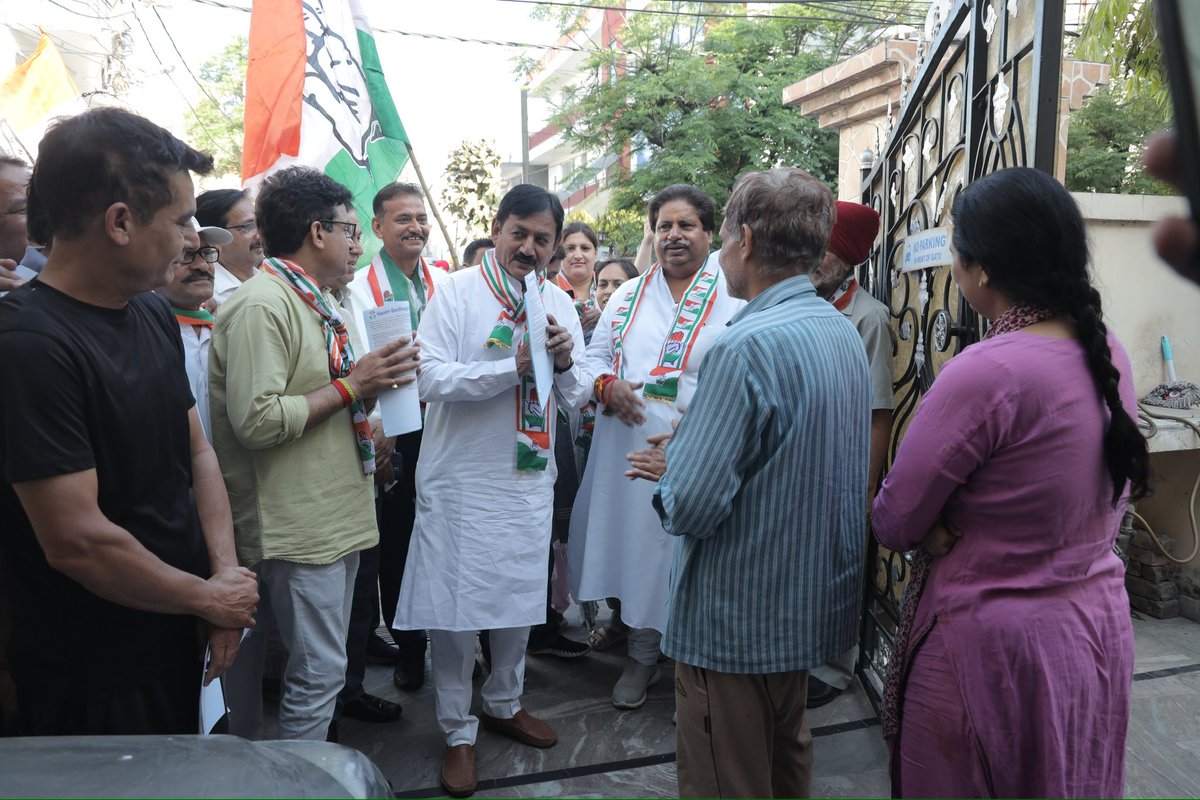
(543,362)
(400,408)
(212,700)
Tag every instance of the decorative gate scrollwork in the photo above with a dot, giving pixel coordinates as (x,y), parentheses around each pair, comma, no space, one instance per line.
(985,97)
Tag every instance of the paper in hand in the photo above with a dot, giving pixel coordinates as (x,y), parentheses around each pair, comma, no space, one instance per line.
(543,362)
(399,408)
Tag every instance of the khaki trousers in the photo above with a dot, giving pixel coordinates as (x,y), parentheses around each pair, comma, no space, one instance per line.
(742,735)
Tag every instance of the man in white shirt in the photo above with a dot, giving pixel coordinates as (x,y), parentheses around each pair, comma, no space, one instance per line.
(190,288)
(233,210)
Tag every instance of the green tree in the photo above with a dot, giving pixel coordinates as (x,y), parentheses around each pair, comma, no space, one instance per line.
(216,124)
(699,102)
(621,229)
(472,190)
(1104,143)
(1124,34)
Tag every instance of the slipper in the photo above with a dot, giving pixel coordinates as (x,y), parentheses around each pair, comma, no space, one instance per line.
(607,635)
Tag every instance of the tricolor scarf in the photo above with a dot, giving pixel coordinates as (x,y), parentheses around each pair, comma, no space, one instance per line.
(533,417)
(337,342)
(389,283)
(1014,319)
(198,317)
(690,315)
(845,294)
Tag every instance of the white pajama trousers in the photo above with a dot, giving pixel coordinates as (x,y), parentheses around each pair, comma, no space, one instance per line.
(452,658)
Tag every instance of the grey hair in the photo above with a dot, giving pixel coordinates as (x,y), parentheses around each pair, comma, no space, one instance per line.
(790,214)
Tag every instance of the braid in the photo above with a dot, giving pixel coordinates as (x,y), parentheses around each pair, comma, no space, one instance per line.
(1124,447)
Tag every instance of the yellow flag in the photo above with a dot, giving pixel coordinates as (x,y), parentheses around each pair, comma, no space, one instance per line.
(39,87)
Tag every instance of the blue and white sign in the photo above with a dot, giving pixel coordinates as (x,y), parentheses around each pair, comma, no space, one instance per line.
(927,249)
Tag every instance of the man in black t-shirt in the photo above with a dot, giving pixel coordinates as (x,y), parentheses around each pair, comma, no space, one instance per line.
(117,536)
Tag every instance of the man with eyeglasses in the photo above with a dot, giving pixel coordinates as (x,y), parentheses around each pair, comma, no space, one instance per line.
(20,259)
(190,288)
(233,210)
(289,396)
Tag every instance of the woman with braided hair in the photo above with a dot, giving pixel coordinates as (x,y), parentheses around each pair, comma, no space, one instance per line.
(1014,660)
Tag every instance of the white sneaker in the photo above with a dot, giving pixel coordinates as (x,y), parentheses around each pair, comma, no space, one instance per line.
(630,691)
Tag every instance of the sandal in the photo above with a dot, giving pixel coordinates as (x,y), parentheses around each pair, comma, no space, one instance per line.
(607,635)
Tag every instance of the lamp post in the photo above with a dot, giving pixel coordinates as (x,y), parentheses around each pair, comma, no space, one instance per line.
(866,160)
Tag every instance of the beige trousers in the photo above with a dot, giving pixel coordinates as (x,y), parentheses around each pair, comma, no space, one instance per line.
(742,735)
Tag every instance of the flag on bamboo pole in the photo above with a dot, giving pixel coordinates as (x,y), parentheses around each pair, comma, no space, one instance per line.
(316,96)
(38,90)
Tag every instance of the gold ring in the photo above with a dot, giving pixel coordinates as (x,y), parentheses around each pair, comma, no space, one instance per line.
(394,386)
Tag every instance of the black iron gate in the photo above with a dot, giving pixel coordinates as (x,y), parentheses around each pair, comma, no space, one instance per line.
(985,97)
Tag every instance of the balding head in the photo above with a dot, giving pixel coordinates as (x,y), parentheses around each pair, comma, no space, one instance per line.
(789,213)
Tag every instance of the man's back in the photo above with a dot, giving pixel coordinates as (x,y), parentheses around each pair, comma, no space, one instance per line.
(94,388)
(771,573)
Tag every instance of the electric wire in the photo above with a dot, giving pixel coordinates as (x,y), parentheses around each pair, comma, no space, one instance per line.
(1149,416)
(677,12)
(183,61)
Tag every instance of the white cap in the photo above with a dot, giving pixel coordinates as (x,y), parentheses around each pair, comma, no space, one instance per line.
(211,235)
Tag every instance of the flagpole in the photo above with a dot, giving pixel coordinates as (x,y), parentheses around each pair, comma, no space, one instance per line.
(432,205)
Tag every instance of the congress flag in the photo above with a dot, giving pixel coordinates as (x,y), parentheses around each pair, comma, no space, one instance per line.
(316,96)
(38,90)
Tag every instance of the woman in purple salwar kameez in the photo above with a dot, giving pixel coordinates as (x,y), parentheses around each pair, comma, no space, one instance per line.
(1014,473)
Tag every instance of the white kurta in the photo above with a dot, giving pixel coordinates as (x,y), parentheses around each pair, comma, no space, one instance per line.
(481,539)
(359,296)
(196,340)
(225,283)
(617,546)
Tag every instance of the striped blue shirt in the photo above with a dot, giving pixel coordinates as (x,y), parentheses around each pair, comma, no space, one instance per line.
(766,488)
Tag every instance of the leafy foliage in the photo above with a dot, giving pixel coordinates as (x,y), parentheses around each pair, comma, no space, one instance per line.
(700,103)
(621,229)
(1105,140)
(472,190)
(1124,34)
(216,125)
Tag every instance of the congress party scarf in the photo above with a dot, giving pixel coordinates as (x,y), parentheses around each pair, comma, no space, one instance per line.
(533,416)
(337,342)
(690,315)
(198,317)
(389,283)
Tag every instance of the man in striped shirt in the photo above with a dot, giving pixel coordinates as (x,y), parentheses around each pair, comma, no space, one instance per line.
(765,485)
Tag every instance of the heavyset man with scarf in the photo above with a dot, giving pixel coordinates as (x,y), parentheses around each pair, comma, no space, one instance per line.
(289,403)
(648,346)
(486,475)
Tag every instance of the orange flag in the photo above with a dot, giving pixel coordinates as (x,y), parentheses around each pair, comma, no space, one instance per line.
(39,88)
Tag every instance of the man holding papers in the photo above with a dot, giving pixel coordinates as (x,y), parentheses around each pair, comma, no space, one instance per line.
(398,273)
(289,398)
(486,474)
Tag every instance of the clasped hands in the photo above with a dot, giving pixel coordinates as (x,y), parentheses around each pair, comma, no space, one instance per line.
(559,344)
(651,464)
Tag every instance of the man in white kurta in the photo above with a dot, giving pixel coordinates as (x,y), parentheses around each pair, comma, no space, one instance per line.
(478,554)
(617,547)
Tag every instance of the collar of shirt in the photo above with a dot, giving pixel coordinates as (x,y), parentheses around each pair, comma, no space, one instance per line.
(786,289)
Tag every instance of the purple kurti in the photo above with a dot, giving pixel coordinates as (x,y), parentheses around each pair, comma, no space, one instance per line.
(1022,648)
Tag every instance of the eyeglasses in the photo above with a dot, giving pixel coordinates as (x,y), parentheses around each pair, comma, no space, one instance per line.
(247,228)
(349,229)
(209,254)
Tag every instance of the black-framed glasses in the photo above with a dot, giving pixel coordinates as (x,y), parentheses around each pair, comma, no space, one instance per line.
(209,254)
(349,229)
(247,228)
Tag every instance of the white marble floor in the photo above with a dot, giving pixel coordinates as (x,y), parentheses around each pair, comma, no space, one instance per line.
(605,752)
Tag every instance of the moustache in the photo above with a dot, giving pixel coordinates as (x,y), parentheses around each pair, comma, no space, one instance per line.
(524,259)
(409,236)
(196,277)
(256,244)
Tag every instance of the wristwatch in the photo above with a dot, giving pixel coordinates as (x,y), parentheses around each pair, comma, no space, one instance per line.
(567,368)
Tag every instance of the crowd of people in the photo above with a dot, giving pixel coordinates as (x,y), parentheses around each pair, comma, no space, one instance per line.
(194,466)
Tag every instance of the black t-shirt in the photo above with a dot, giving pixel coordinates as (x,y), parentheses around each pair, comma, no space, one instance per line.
(84,387)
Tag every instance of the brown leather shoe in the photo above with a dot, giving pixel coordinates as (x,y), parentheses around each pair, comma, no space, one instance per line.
(458,770)
(524,727)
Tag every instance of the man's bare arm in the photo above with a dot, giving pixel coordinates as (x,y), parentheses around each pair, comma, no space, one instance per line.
(83,544)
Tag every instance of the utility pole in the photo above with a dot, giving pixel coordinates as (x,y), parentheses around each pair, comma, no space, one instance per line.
(525,133)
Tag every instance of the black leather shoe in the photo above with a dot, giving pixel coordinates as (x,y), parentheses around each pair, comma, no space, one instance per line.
(409,674)
(380,652)
(369,708)
(820,693)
